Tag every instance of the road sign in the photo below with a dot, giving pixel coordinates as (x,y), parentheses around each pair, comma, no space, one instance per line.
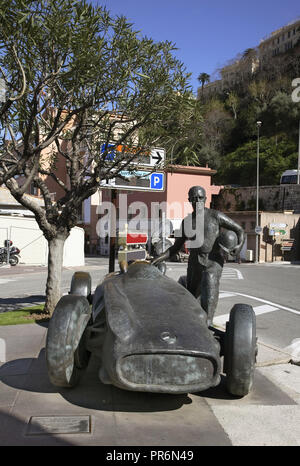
(157,181)
(258,230)
(140,180)
(144,158)
(157,156)
(276,232)
(278,225)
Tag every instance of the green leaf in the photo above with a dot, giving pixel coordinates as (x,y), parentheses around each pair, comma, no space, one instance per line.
(25,16)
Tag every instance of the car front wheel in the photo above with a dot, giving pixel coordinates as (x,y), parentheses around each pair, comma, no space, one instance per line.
(240,350)
(66,354)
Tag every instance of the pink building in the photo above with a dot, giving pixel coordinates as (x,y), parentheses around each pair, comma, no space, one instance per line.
(173,201)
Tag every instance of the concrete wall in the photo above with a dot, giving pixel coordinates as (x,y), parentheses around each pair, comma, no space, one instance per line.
(26,235)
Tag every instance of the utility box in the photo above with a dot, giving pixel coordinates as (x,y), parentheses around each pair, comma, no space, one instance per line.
(249,255)
(132,246)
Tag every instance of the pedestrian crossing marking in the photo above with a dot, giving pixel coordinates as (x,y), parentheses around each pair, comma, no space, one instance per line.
(230,273)
(6,280)
(264,308)
(258,310)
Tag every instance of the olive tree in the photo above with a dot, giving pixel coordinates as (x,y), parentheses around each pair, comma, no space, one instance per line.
(78,81)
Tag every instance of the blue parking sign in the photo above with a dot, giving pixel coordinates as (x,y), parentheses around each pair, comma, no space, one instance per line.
(157,181)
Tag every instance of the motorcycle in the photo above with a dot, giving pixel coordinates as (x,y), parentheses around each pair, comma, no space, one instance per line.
(13,254)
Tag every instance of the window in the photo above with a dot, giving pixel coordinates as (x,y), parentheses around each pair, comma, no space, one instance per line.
(33,190)
(288,179)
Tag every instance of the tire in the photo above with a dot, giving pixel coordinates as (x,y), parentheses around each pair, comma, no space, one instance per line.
(182,280)
(162,267)
(81,285)
(66,355)
(240,350)
(161,246)
(13,260)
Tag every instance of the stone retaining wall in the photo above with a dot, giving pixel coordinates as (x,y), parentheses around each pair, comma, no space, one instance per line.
(271,198)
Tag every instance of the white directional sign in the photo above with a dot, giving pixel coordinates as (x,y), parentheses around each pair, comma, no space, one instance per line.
(140,180)
(157,156)
(144,158)
(278,225)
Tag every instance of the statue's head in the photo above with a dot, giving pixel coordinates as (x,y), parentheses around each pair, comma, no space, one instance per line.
(197,197)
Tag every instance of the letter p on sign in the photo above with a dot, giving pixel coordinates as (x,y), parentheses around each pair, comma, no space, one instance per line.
(157,181)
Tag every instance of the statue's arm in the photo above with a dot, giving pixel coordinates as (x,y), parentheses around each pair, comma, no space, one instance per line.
(179,242)
(229,224)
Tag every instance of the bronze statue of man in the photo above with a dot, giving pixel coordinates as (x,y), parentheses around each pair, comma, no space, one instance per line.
(206,259)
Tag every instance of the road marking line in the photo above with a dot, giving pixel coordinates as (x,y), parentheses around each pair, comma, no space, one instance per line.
(258,310)
(264,308)
(6,280)
(294,311)
(226,295)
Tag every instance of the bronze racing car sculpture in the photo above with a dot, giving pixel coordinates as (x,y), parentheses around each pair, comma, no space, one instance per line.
(151,335)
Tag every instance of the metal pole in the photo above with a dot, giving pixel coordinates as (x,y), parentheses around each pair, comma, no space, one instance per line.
(163,230)
(8,246)
(112,238)
(258,123)
(298,172)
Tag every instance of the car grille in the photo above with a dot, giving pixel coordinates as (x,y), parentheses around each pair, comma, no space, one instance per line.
(167,370)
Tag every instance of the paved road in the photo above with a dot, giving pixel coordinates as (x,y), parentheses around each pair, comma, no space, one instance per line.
(273,292)
(269,415)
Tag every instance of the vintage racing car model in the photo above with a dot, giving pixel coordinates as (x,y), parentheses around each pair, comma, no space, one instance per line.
(150,334)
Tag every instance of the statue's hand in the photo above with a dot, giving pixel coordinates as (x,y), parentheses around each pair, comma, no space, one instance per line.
(236,250)
(155,260)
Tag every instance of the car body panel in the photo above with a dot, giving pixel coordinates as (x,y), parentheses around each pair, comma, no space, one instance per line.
(157,339)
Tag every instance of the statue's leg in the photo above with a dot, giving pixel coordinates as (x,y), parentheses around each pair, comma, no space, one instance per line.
(194,277)
(210,289)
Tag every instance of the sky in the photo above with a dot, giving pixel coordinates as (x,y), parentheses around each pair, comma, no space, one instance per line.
(207,33)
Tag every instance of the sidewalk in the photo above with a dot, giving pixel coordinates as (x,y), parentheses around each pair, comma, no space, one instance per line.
(33,412)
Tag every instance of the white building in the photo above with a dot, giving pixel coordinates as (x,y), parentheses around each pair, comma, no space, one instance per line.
(280,41)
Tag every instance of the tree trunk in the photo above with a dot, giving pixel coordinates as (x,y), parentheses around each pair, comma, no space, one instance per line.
(55,262)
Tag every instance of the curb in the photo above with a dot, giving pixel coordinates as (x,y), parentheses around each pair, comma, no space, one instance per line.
(271,355)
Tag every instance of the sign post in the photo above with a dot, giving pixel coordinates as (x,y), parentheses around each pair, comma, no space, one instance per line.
(112,237)
(141,177)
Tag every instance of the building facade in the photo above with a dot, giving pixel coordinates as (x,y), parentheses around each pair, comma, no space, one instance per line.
(172,203)
(280,41)
(279,219)
(277,43)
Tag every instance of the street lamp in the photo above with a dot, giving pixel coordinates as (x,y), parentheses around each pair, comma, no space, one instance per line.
(257,232)
(298,168)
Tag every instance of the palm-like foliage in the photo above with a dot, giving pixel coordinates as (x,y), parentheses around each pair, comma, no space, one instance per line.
(203,78)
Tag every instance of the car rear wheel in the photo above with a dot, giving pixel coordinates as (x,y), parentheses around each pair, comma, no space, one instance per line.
(81,285)
(240,350)
(66,354)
